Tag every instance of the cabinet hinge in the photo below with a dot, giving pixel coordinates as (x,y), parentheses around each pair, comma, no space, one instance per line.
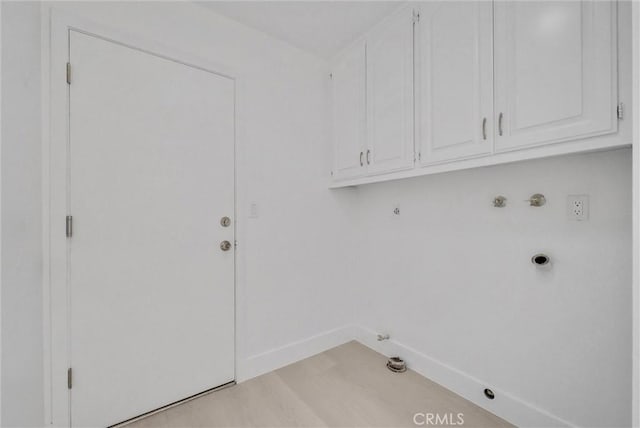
(69,378)
(620,111)
(416,16)
(68,73)
(69,226)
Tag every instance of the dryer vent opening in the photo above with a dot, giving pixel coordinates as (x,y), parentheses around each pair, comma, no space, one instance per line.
(540,260)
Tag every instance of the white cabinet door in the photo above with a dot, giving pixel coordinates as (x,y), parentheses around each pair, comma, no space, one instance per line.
(555,71)
(455,77)
(390,94)
(348,90)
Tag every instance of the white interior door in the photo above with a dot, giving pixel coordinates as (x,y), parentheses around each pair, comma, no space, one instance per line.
(151,174)
(390,94)
(555,71)
(455,51)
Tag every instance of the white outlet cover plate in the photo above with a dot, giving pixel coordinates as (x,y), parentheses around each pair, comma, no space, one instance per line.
(578,207)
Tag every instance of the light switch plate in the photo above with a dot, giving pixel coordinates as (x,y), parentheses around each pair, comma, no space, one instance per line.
(253,210)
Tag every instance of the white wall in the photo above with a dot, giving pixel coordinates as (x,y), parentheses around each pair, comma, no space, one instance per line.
(290,273)
(22,337)
(451,278)
(635,19)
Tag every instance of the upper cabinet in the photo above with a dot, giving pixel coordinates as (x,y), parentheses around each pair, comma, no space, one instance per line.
(372,87)
(485,83)
(455,80)
(348,102)
(555,71)
(390,94)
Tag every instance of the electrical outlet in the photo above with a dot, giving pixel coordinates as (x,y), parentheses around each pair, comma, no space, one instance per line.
(578,207)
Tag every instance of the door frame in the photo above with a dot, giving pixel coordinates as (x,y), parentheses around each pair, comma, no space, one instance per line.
(56,25)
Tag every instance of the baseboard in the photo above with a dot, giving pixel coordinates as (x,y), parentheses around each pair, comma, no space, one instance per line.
(505,405)
(273,359)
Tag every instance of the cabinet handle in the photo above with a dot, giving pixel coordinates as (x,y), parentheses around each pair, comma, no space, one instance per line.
(361,154)
(368,157)
(500,124)
(484,128)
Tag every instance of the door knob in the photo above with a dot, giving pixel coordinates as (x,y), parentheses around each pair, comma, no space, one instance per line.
(225,245)
(225,221)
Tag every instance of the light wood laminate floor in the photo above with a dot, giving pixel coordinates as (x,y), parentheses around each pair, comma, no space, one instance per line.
(346,386)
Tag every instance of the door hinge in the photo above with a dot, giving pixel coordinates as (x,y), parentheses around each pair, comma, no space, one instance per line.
(416,16)
(620,111)
(68,73)
(69,226)
(69,378)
